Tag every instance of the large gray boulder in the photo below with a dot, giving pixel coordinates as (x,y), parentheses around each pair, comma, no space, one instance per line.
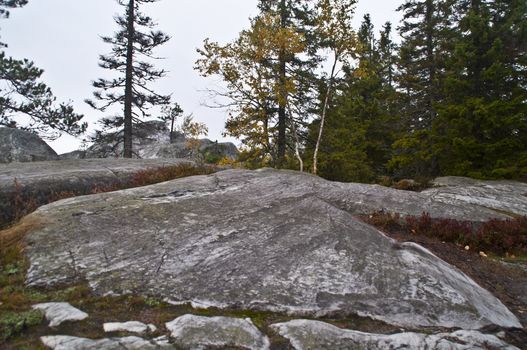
(35,183)
(266,240)
(152,140)
(22,146)
(504,196)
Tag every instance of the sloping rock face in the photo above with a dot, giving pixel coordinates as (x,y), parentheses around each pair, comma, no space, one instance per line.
(306,334)
(504,196)
(266,240)
(37,182)
(152,140)
(22,146)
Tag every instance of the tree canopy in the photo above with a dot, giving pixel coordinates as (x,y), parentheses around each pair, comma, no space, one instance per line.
(25,101)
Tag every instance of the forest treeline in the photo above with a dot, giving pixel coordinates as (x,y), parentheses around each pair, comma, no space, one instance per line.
(448,98)
(443,92)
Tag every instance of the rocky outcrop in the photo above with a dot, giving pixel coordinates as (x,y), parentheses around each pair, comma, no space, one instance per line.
(36,183)
(152,140)
(307,334)
(21,146)
(503,196)
(266,240)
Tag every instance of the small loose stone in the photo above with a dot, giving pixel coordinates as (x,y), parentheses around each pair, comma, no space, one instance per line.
(130,326)
(57,313)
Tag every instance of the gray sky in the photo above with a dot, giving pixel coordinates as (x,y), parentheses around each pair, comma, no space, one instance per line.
(63,38)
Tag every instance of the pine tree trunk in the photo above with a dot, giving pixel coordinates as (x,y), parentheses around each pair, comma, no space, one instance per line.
(282,100)
(128,92)
(172,130)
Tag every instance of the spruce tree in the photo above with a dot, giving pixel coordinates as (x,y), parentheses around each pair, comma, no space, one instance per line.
(427,36)
(26,102)
(481,129)
(131,56)
(426,32)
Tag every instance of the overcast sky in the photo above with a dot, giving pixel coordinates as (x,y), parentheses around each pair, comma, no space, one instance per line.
(63,38)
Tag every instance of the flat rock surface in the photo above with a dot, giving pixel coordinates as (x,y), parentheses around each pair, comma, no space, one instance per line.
(267,240)
(307,334)
(191,332)
(78,169)
(38,181)
(57,313)
(63,342)
(503,196)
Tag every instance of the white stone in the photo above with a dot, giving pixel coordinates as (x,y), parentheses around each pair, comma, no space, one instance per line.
(57,313)
(308,334)
(191,331)
(62,342)
(130,326)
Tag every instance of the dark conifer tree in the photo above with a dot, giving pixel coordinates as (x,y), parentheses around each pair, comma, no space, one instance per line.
(427,36)
(425,31)
(27,103)
(131,56)
(387,55)
(299,15)
(481,129)
(361,125)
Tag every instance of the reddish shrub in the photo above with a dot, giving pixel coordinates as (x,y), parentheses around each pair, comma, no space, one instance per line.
(509,236)
(419,225)
(496,236)
(156,175)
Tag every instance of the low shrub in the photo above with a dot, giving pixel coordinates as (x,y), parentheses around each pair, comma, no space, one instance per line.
(390,222)
(12,323)
(500,237)
(157,175)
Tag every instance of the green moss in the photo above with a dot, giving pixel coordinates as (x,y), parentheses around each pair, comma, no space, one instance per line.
(13,323)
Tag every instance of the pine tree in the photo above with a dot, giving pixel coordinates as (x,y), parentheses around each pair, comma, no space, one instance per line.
(427,41)
(360,124)
(268,82)
(296,75)
(170,114)
(426,32)
(481,129)
(252,86)
(132,51)
(27,103)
